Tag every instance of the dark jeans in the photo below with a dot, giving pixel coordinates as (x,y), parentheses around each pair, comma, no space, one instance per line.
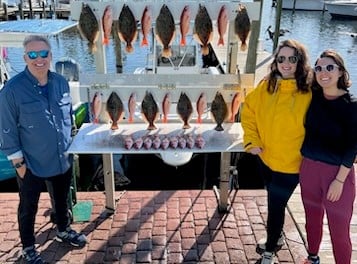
(30,188)
(280,187)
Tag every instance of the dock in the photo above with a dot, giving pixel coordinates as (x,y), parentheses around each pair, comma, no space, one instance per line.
(182,226)
(14,13)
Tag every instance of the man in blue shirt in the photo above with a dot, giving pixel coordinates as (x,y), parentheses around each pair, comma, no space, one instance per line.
(35,133)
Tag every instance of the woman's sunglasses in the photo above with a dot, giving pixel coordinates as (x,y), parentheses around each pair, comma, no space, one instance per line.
(35,54)
(292,59)
(328,68)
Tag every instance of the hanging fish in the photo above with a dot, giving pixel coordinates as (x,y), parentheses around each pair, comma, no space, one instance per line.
(242,26)
(131,107)
(184,109)
(185,24)
(150,110)
(96,106)
(236,101)
(165,30)
(88,26)
(127,31)
(203,29)
(201,107)
(107,22)
(166,103)
(222,22)
(115,109)
(145,26)
(219,111)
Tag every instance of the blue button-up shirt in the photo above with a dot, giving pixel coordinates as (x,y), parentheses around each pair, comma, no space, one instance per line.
(37,125)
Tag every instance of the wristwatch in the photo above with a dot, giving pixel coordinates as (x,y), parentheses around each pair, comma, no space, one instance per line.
(19,164)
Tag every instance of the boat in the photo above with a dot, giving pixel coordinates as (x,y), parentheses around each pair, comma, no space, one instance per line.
(12,34)
(311,5)
(342,9)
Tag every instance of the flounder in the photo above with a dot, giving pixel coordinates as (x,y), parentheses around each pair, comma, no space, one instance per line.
(219,111)
(150,110)
(115,109)
(127,30)
(165,30)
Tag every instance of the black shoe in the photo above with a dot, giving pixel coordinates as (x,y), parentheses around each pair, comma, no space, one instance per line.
(260,249)
(72,237)
(31,256)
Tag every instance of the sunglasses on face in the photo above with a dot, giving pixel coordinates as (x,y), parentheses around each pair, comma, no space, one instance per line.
(35,54)
(292,59)
(328,68)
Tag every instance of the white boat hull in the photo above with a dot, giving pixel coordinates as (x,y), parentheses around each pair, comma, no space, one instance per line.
(342,9)
(312,5)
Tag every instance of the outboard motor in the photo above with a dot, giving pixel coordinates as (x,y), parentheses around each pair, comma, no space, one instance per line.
(69,68)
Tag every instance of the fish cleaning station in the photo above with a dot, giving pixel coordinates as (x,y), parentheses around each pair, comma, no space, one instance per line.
(175,106)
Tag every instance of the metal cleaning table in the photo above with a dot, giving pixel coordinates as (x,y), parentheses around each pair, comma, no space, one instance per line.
(100,139)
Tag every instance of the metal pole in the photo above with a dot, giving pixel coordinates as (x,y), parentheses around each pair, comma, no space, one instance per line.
(277,24)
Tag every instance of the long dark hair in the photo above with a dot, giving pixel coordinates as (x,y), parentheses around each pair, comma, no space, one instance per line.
(303,73)
(344,81)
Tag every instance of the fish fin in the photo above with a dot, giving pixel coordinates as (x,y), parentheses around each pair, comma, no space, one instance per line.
(220,41)
(205,50)
(186,126)
(164,119)
(130,119)
(129,48)
(183,41)
(243,47)
(105,41)
(219,127)
(199,120)
(151,127)
(114,126)
(92,47)
(144,42)
(166,53)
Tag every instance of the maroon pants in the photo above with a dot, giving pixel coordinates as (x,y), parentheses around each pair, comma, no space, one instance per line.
(315,179)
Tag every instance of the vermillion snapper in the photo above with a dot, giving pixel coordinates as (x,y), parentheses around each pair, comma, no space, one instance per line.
(127,30)
(107,22)
(184,109)
(150,110)
(131,107)
(184,24)
(203,29)
(166,104)
(145,26)
(236,102)
(115,109)
(222,22)
(96,106)
(201,107)
(88,26)
(219,111)
(242,26)
(165,30)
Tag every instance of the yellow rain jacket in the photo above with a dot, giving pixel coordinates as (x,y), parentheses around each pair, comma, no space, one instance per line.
(275,123)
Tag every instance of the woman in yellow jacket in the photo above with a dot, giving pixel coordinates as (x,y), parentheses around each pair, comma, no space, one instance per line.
(273,123)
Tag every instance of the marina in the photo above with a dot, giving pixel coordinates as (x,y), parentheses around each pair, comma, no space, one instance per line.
(146,223)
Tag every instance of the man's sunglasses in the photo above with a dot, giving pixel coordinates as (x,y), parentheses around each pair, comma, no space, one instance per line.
(328,68)
(292,59)
(35,54)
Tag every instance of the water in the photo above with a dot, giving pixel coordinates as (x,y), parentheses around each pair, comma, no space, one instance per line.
(313,28)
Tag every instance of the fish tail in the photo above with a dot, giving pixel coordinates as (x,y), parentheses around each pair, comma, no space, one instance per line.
(129,48)
(186,126)
(105,41)
(220,41)
(199,119)
(166,52)
(144,42)
(232,118)
(114,126)
(164,119)
(243,47)
(151,127)
(205,50)
(183,41)
(95,120)
(219,127)
(130,119)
